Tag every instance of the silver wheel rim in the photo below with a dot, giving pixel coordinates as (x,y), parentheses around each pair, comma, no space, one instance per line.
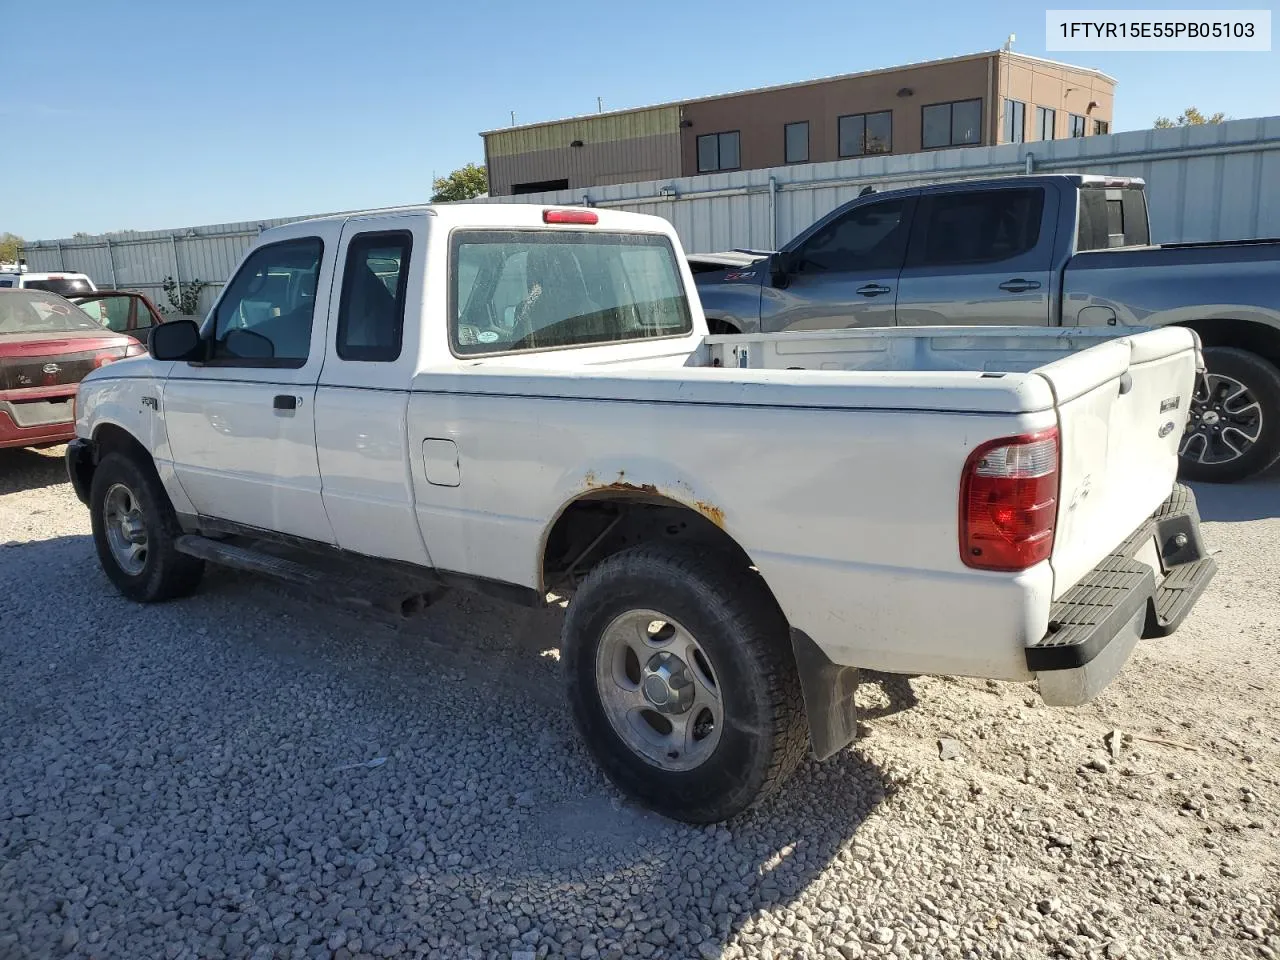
(659,690)
(1225,421)
(126,529)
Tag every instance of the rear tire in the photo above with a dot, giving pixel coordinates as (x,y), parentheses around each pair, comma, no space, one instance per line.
(134,530)
(722,643)
(1234,427)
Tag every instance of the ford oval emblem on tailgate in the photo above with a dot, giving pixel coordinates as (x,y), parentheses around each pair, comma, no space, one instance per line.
(1166,429)
(51,368)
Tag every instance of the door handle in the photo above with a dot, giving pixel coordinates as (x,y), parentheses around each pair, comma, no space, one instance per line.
(873,289)
(285,401)
(1018,285)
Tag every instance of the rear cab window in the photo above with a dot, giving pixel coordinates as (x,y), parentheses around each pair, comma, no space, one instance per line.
(1112,217)
(514,290)
(63,286)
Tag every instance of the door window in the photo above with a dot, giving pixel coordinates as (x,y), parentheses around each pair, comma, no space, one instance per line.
(374,285)
(111,312)
(146,318)
(983,226)
(870,237)
(264,318)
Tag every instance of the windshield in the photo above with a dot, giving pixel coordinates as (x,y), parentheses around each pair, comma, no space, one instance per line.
(33,311)
(540,289)
(60,285)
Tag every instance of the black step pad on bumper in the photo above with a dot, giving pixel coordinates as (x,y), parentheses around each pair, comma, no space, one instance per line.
(1098,608)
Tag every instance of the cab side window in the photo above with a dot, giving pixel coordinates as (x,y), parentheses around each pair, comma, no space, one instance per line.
(374,286)
(981,226)
(265,317)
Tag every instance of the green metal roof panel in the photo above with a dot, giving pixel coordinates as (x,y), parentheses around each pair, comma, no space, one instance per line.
(606,128)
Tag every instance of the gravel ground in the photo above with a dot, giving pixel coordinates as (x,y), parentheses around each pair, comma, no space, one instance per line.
(253,773)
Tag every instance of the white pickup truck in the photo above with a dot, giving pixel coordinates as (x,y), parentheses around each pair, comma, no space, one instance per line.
(524,400)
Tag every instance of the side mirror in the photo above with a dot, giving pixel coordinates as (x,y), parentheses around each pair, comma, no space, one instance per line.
(782,266)
(174,340)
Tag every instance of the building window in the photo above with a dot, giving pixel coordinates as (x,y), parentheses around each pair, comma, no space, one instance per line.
(954,124)
(1015,121)
(1045,121)
(1075,123)
(797,141)
(718,151)
(863,133)
(1101,128)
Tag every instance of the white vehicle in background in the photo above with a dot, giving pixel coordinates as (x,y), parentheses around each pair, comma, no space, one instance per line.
(65,284)
(523,400)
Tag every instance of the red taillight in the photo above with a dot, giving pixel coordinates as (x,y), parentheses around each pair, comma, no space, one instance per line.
(570,216)
(1009,502)
(102,359)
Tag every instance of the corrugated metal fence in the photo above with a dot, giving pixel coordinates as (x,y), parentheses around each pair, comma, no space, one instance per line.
(143,260)
(1216,182)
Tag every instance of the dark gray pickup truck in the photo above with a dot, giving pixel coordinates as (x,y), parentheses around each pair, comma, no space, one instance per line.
(1058,250)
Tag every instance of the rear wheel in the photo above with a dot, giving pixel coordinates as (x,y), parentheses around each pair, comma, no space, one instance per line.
(134,530)
(682,681)
(1233,430)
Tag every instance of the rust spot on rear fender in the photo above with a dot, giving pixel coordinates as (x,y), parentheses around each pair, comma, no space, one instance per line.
(711,512)
(622,485)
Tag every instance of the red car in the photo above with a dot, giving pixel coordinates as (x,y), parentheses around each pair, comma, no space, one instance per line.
(47,344)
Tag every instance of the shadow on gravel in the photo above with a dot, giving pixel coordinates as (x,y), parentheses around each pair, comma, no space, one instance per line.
(569,843)
(666,889)
(1237,502)
(22,469)
(896,695)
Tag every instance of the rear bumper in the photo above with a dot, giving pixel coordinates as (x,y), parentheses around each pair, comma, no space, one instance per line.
(1096,624)
(13,435)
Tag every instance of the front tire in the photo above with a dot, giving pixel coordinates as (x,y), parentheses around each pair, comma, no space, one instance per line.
(134,530)
(1233,430)
(682,681)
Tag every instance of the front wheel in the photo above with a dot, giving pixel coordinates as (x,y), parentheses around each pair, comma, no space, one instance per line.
(134,530)
(1233,430)
(682,681)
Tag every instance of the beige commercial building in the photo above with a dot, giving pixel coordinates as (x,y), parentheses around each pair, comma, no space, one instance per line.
(978,100)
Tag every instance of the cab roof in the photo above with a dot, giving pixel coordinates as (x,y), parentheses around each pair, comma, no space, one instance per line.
(498,215)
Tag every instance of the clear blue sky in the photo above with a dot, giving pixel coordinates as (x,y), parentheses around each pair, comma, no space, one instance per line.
(146,115)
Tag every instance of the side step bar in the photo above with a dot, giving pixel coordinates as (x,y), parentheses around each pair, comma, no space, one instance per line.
(241,558)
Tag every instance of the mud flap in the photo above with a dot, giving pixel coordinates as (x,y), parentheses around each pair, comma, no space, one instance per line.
(828,697)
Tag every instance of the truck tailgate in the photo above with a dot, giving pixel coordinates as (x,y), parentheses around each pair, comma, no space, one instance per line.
(1122,406)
